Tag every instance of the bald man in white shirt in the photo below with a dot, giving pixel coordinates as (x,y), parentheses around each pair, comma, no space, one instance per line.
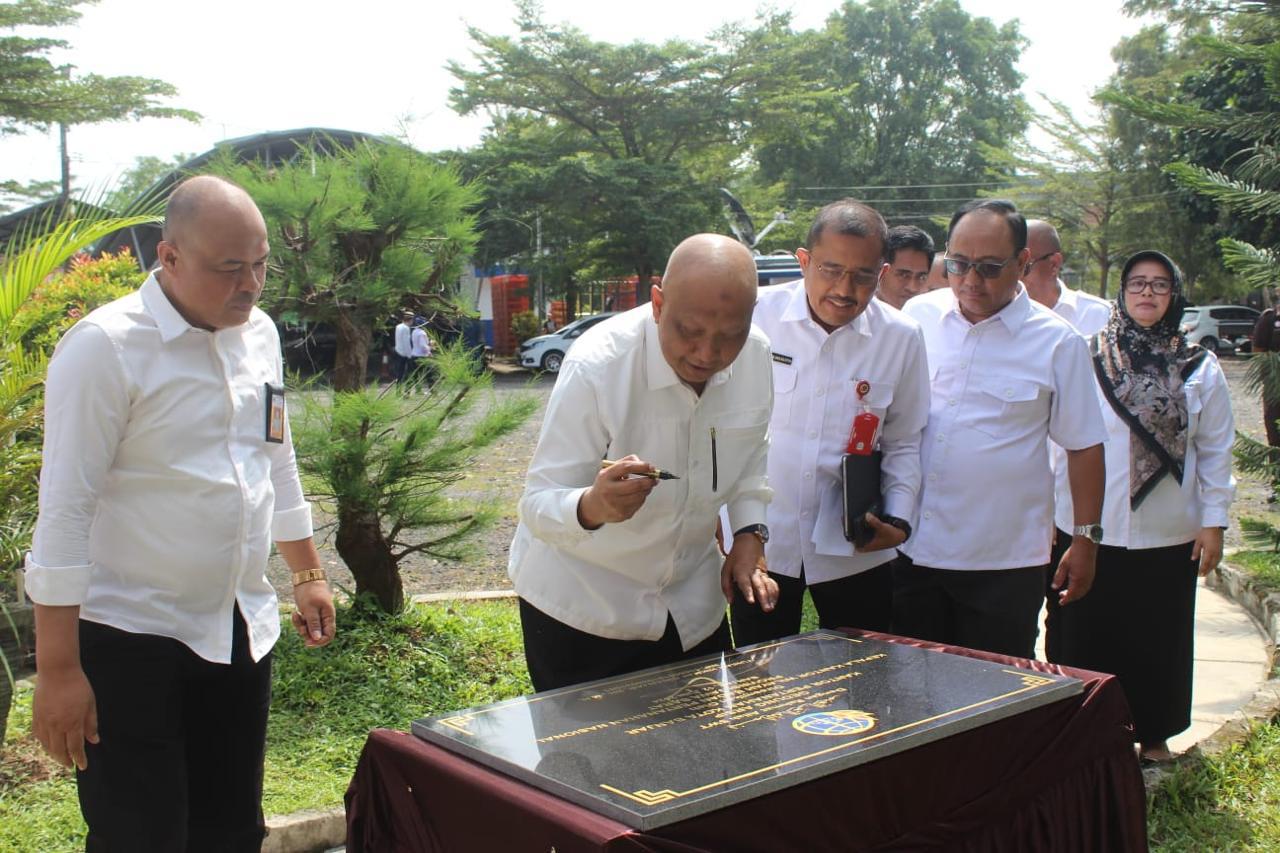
(168,471)
(1086,313)
(616,569)
(838,353)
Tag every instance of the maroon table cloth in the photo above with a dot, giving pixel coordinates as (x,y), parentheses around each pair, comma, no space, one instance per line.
(1062,777)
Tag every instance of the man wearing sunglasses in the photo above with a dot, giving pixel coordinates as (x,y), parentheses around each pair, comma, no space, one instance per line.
(1006,374)
(1086,313)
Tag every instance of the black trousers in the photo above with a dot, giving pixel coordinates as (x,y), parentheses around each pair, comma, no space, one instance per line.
(863,600)
(559,655)
(1137,622)
(179,765)
(990,610)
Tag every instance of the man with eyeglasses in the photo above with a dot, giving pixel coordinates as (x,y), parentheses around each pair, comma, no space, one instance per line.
(909,257)
(1086,313)
(838,353)
(1006,375)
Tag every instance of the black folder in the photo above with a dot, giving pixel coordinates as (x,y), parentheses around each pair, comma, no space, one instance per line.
(860,486)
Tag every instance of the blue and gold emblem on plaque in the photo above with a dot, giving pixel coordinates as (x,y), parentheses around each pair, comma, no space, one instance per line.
(843,722)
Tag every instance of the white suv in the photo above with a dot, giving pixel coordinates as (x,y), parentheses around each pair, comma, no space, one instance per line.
(1219,328)
(546,352)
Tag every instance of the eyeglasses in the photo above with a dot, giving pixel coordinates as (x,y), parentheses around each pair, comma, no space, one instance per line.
(905,276)
(1159,286)
(986,269)
(832,274)
(1032,263)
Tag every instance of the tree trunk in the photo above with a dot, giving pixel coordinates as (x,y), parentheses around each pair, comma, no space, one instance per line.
(1104,267)
(367,554)
(351,364)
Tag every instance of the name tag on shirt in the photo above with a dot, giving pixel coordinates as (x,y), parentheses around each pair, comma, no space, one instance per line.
(782,359)
(275,414)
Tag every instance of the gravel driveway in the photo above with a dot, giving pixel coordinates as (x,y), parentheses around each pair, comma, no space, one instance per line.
(499,479)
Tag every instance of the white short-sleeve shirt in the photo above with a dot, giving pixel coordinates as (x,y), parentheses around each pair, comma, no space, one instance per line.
(1172,513)
(815,376)
(1000,388)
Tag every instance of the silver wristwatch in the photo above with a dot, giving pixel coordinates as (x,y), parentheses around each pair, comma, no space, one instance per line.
(1092,532)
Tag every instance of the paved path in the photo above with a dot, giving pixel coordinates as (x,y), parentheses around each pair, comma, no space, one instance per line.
(1231,663)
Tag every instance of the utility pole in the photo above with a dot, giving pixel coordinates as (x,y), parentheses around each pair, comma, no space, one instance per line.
(65,195)
(541,296)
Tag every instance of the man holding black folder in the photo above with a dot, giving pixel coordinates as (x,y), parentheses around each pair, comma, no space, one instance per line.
(849,375)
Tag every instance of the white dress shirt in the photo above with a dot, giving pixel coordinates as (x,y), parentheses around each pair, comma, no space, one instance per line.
(1087,314)
(617,395)
(159,496)
(404,340)
(421,344)
(1171,514)
(814,379)
(999,388)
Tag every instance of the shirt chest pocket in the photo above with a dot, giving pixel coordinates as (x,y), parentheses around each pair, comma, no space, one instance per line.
(784,388)
(1003,407)
(875,398)
(1194,406)
(732,444)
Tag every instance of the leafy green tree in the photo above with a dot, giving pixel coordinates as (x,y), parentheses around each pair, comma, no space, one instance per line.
(624,127)
(890,99)
(386,459)
(36,93)
(356,236)
(141,177)
(1090,185)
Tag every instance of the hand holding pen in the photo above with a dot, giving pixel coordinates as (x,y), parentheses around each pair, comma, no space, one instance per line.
(618,492)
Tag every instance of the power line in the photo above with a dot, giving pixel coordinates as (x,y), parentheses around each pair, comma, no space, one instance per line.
(916,186)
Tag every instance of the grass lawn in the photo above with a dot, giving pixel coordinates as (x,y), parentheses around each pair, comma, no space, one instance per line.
(380,672)
(1229,802)
(1264,566)
(388,671)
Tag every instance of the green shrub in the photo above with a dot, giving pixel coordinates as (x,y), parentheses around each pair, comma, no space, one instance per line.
(525,325)
(58,303)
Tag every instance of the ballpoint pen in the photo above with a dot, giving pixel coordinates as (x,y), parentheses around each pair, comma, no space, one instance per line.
(655,474)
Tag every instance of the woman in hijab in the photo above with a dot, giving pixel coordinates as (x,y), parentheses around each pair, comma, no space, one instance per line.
(1169,484)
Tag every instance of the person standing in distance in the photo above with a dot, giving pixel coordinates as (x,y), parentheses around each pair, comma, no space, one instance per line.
(1086,313)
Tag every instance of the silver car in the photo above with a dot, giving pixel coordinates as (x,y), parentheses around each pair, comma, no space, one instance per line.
(1219,328)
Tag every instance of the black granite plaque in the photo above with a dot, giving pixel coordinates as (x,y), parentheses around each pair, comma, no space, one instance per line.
(664,744)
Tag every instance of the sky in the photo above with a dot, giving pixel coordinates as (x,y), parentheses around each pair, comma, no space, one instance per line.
(378,66)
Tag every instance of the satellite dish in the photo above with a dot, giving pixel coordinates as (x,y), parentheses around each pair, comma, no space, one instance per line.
(739,220)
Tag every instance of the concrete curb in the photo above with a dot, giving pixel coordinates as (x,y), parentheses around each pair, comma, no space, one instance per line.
(308,831)
(314,831)
(1264,607)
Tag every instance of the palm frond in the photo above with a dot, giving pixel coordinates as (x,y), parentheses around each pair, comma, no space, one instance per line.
(32,257)
(1256,459)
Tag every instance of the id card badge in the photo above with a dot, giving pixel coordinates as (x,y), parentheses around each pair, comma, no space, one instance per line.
(862,438)
(275,414)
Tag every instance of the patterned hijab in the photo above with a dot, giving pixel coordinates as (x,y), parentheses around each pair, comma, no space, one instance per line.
(1141,371)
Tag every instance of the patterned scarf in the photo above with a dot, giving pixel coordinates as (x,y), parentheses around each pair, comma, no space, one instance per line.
(1141,371)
